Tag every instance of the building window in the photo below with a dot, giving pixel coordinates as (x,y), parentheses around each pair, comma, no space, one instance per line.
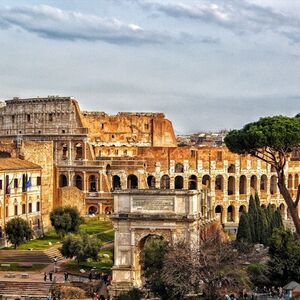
(28,118)
(13,119)
(16,210)
(219,156)
(16,183)
(50,117)
(30,208)
(38,206)
(23,209)
(38,181)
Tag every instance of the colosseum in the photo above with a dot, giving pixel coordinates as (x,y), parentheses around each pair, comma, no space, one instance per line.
(85,156)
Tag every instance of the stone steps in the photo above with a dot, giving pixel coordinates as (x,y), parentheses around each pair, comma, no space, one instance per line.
(53,252)
(24,256)
(24,288)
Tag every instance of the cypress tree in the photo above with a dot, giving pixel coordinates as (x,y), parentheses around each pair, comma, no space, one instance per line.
(244,231)
(252,219)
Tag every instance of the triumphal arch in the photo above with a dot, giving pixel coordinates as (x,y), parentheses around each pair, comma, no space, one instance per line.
(170,214)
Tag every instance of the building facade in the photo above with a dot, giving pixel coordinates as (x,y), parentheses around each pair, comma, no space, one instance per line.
(20,194)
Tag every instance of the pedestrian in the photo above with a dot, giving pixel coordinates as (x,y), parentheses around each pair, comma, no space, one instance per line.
(90,276)
(95,296)
(66,274)
(50,276)
(45,276)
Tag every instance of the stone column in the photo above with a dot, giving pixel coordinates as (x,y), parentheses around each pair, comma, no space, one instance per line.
(100,182)
(69,178)
(84,150)
(70,152)
(84,181)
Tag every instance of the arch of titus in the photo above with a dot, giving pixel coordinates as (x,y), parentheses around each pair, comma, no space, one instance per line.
(172,215)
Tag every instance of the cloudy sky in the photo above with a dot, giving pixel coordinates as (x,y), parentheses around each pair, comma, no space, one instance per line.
(207,65)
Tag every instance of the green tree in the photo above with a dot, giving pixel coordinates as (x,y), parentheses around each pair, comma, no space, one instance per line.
(152,263)
(244,231)
(284,251)
(253,219)
(271,139)
(81,247)
(65,220)
(18,231)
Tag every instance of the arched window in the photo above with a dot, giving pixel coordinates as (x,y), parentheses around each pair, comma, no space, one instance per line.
(253,182)
(132,182)
(108,169)
(219,212)
(243,185)
(116,182)
(273,185)
(290,181)
(179,168)
(282,210)
(219,185)
(151,182)
(231,168)
(92,183)
(63,180)
(93,210)
(242,209)
(193,182)
(296,181)
(231,185)
(78,151)
(206,181)
(78,182)
(263,183)
(178,183)
(165,182)
(230,213)
(64,151)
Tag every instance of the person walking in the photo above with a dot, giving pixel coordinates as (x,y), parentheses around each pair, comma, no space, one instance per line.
(45,276)
(66,274)
(50,276)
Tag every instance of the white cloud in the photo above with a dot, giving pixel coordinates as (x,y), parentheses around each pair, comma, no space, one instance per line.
(54,23)
(239,16)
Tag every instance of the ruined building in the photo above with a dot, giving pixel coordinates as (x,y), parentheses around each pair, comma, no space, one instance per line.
(86,155)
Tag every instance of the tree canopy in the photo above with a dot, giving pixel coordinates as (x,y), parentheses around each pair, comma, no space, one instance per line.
(82,247)
(65,220)
(271,139)
(18,231)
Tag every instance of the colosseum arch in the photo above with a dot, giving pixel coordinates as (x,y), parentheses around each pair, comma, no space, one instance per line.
(273,184)
(263,183)
(165,182)
(253,183)
(78,182)
(296,181)
(193,182)
(116,182)
(231,185)
(63,180)
(206,181)
(151,182)
(243,185)
(179,168)
(219,183)
(132,182)
(178,183)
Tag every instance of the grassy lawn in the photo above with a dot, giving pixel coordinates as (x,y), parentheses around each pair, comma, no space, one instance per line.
(92,227)
(103,264)
(41,243)
(17,267)
(95,226)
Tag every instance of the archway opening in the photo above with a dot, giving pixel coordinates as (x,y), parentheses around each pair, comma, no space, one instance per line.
(78,151)
(63,180)
(150,256)
(93,210)
(263,183)
(206,181)
(296,181)
(231,185)
(219,212)
(253,183)
(78,182)
(231,168)
(165,182)
(151,182)
(282,211)
(178,183)
(230,213)
(116,182)
(219,185)
(64,151)
(92,183)
(290,181)
(273,185)
(243,185)
(242,210)
(132,182)
(179,168)
(193,182)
